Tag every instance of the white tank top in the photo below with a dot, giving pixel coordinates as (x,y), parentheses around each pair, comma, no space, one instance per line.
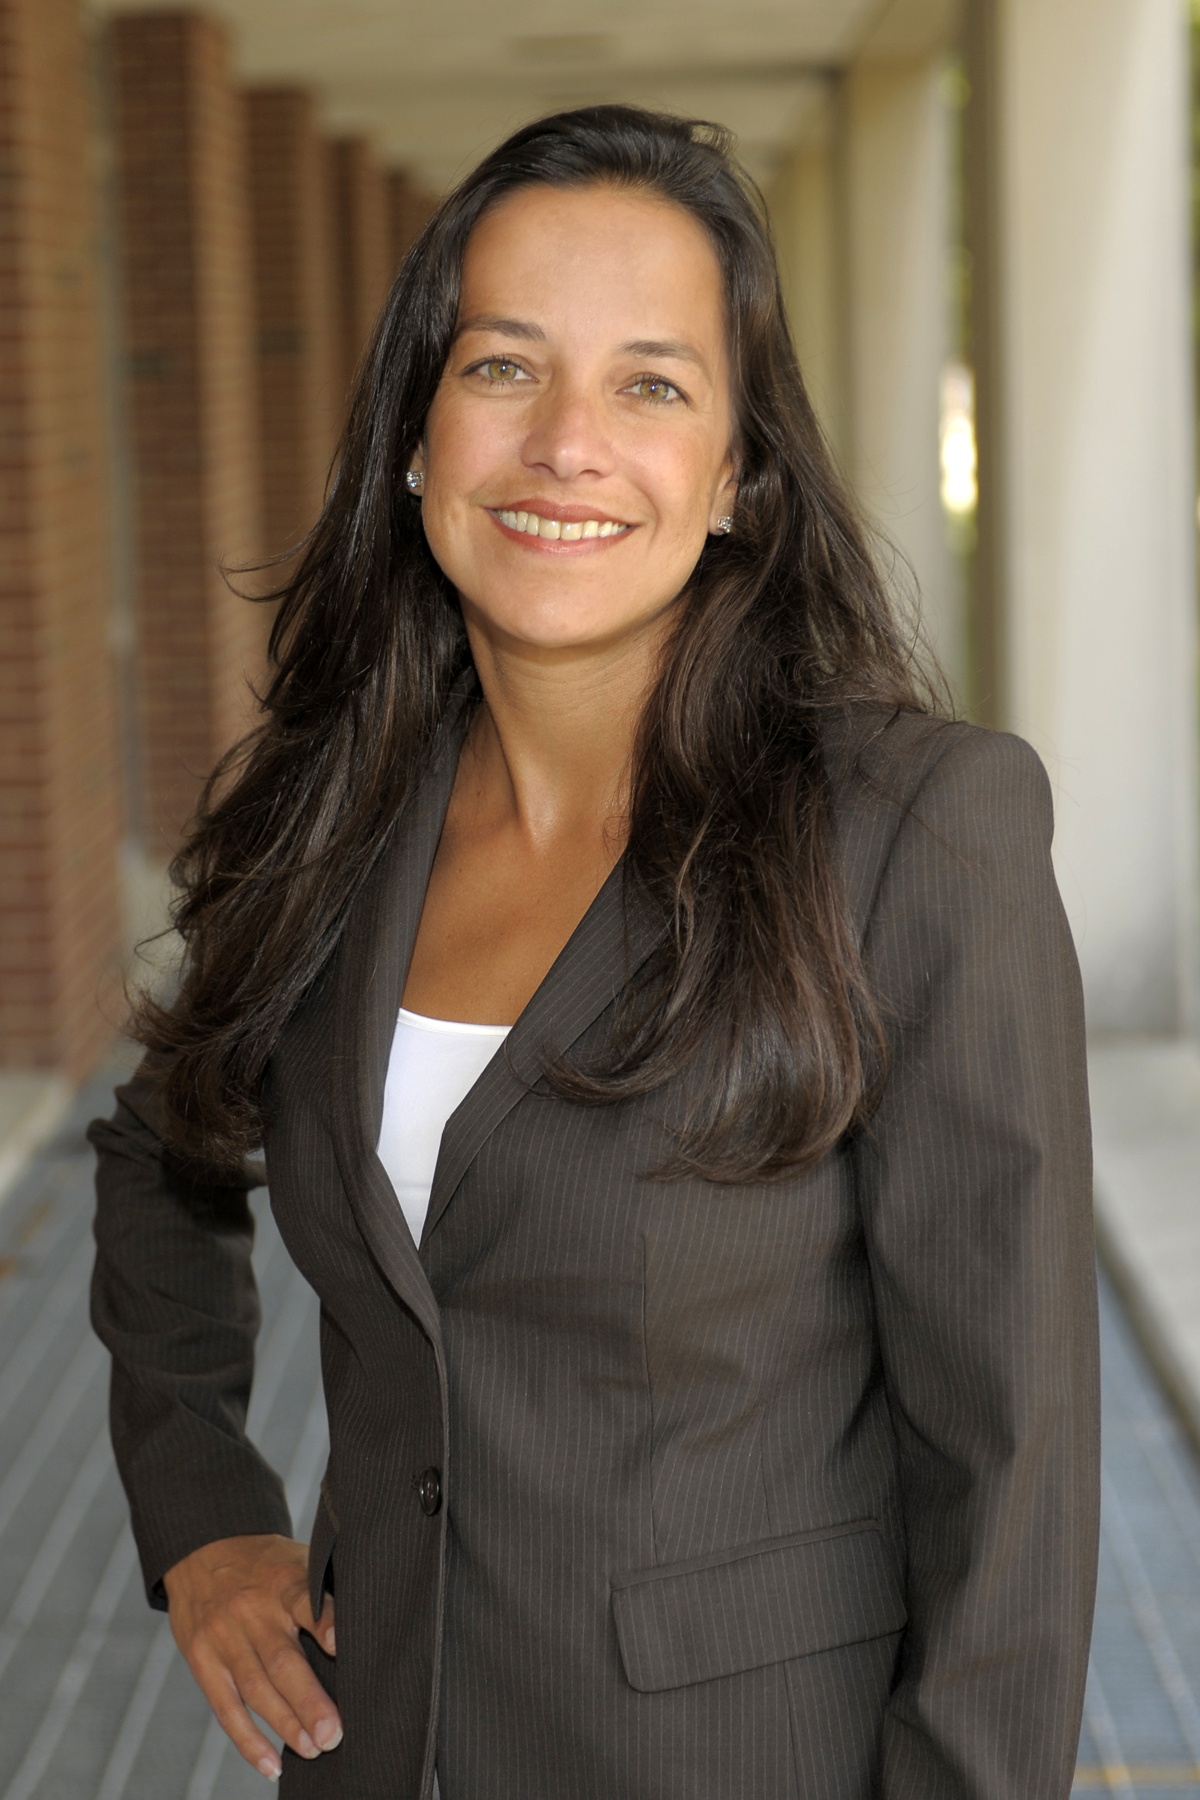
(433,1067)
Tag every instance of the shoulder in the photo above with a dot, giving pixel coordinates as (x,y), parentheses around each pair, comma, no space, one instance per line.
(876,756)
(915,791)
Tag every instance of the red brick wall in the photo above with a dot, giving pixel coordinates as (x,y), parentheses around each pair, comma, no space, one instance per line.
(299,357)
(193,401)
(59,777)
(362,239)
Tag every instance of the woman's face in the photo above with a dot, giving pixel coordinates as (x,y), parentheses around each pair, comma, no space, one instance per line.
(578,448)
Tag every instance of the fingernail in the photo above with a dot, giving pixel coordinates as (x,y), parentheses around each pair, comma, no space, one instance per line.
(270,1766)
(328,1734)
(330,1643)
(306,1746)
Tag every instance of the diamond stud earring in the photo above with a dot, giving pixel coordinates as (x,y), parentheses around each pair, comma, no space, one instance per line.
(725,525)
(414,481)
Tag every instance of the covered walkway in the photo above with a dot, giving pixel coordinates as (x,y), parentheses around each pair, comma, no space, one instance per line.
(97,1704)
(977,202)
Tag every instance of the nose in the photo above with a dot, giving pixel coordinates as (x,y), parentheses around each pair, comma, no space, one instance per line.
(568,436)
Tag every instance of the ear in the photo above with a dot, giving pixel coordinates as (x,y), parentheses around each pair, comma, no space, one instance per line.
(724,500)
(414,475)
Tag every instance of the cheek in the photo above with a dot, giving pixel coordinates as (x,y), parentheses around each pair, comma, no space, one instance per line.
(684,495)
(448,452)
(467,447)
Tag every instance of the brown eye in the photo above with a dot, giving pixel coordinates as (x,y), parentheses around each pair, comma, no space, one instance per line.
(500,369)
(653,387)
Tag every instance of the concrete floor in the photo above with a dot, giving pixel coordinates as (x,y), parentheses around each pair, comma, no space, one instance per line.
(1146,1131)
(95,1703)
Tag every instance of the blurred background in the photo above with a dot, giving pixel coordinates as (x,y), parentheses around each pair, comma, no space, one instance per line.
(983,213)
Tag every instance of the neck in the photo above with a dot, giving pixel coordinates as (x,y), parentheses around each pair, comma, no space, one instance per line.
(551,749)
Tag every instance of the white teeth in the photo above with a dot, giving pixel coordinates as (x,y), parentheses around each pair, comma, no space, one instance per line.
(534,526)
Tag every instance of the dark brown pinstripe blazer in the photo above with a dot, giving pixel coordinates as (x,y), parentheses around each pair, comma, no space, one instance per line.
(770,1492)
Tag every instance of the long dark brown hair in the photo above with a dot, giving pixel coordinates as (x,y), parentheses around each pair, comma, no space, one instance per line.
(759,984)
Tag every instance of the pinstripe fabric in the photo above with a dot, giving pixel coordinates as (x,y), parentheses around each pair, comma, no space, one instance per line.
(779,1491)
(720,1614)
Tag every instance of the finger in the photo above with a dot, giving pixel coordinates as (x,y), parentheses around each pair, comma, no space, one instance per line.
(322,1628)
(221,1693)
(288,1670)
(258,1689)
(233,1679)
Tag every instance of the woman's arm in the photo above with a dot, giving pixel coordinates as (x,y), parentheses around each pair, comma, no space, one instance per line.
(175,1302)
(975,1182)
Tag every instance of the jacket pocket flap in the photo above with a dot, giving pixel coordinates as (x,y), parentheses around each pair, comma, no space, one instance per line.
(764,1603)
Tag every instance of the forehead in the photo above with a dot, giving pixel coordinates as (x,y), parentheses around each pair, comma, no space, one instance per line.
(599,258)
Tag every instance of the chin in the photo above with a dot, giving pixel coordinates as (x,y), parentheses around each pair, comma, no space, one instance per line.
(567,636)
(560,625)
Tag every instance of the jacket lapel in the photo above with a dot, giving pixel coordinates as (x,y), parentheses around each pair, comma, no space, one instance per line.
(369,980)
(605,950)
(607,947)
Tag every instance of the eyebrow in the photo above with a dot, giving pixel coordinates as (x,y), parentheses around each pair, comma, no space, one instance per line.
(533,334)
(518,328)
(672,347)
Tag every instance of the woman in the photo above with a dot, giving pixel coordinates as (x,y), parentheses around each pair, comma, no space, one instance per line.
(732,1431)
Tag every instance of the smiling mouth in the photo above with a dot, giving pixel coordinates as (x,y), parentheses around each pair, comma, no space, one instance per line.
(566,530)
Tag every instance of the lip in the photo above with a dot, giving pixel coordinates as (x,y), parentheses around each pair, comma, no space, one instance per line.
(554,509)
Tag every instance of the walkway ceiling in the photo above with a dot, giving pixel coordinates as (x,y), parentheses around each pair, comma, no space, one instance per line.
(436,83)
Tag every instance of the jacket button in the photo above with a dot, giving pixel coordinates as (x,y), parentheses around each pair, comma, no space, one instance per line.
(429,1491)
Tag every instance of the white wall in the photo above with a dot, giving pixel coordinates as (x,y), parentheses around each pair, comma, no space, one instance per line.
(803,201)
(861,210)
(1100,631)
(896,194)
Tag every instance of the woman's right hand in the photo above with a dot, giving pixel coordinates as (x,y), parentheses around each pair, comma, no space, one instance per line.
(237,1609)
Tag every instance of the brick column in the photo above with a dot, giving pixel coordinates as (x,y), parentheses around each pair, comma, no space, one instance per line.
(299,355)
(59,766)
(185,246)
(409,207)
(362,245)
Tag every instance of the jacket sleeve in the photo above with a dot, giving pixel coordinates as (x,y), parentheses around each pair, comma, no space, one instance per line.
(174,1300)
(975,1185)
